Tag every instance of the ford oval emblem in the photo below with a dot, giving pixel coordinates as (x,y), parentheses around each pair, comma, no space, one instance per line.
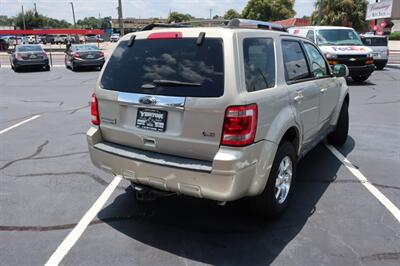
(148,100)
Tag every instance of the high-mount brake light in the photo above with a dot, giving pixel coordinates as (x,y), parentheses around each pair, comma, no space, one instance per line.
(165,35)
(94,110)
(240,125)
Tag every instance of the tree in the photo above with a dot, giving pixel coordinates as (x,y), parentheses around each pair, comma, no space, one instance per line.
(179,17)
(269,10)
(35,20)
(349,13)
(6,21)
(88,23)
(94,23)
(32,20)
(231,14)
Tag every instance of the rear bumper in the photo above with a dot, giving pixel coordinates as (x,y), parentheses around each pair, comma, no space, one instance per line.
(84,62)
(361,70)
(234,173)
(20,63)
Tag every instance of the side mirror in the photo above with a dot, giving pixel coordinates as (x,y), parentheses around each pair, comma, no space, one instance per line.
(340,70)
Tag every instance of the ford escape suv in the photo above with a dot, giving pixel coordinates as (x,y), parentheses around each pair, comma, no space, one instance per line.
(219,113)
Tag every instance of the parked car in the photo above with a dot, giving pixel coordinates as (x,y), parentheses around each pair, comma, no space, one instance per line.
(341,45)
(93,38)
(83,56)
(16,40)
(114,37)
(29,55)
(32,39)
(48,39)
(216,113)
(4,45)
(73,39)
(60,39)
(380,49)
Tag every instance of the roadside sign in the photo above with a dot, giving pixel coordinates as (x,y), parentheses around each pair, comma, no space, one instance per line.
(379,10)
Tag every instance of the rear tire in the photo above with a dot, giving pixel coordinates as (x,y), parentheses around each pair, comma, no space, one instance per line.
(47,68)
(360,78)
(339,136)
(278,190)
(380,66)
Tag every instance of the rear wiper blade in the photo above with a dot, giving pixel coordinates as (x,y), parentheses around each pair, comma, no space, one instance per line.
(167,82)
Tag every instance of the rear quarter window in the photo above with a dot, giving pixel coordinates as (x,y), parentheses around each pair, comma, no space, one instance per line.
(259,63)
(130,68)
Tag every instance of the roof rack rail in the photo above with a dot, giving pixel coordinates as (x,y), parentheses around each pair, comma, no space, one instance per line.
(254,24)
(233,23)
(163,25)
(206,21)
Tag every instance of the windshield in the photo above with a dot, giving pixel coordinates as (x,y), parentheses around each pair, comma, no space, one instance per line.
(86,48)
(338,37)
(29,48)
(175,67)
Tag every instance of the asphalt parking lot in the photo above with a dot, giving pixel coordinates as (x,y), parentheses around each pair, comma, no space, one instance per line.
(47,184)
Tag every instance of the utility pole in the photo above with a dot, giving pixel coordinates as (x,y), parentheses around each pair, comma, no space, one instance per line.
(210,13)
(120,18)
(23,17)
(73,13)
(376,21)
(320,12)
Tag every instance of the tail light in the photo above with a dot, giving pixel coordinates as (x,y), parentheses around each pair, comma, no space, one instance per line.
(165,35)
(240,125)
(44,55)
(101,54)
(94,110)
(18,56)
(77,55)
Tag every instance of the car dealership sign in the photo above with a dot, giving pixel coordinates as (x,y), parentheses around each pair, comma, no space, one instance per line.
(380,10)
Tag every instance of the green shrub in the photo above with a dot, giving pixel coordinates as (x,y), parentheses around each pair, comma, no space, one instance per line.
(395,36)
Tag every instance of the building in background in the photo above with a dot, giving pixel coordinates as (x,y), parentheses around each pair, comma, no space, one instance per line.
(291,22)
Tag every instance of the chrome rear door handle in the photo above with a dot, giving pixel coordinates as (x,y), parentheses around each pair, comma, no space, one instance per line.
(324,90)
(298,98)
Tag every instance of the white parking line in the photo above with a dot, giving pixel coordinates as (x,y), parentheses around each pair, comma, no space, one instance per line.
(9,66)
(371,188)
(19,124)
(78,230)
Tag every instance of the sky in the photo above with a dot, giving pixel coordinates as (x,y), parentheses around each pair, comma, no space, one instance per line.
(61,9)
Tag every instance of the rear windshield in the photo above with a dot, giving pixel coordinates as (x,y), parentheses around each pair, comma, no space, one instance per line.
(86,48)
(371,41)
(198,68)
(29,48)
